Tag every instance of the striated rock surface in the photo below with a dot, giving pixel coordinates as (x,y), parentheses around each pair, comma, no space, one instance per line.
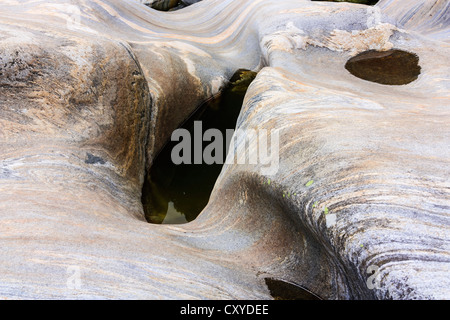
(430,18)
(357,208)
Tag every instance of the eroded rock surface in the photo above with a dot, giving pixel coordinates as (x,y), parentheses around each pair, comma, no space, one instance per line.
(90,91)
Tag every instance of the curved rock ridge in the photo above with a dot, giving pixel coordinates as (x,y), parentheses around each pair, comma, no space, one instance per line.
(429,17)
(356,208)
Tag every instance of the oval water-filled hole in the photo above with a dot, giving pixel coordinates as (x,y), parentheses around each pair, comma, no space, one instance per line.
(177,193)
(392,67)
(283,290)
(368,2)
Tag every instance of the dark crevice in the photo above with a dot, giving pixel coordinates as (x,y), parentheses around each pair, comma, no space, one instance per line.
(170,5)
(391,67)
(367,2)
(177,193)
(283,290)
(91,159)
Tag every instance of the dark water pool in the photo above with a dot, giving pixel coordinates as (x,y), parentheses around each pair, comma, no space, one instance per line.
(175,194)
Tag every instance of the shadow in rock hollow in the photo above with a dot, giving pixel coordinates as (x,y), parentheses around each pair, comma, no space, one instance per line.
(368,2)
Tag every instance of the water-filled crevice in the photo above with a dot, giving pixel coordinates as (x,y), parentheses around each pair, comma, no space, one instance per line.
(391,67)
(175,192)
